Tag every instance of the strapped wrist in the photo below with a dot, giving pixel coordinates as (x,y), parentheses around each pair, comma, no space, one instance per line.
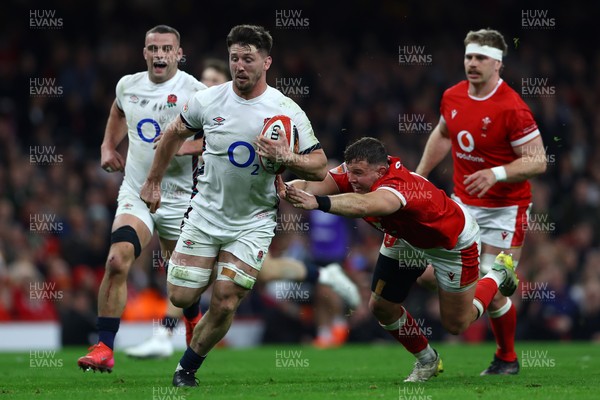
(324,203)
(499,173)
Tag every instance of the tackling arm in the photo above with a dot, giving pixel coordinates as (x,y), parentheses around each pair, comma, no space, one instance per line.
(324,187)
(378,203)
(438,145)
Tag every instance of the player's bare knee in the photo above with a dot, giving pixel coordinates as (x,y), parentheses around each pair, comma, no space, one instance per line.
(224,304)
(180,297)
(117,264)
(382,310)
(455,326)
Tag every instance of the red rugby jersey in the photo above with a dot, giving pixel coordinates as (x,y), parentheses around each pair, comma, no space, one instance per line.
(483,133)
(428,218)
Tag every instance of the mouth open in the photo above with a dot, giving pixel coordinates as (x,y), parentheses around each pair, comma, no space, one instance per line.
(159,65)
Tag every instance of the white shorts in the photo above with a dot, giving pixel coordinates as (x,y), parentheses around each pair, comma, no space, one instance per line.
(200,237)
(502,227)
(166,220)
(455,270)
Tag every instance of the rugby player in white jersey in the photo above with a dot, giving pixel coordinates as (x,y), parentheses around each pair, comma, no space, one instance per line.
(160,345)
(215,72)
(233,218)
(145,103)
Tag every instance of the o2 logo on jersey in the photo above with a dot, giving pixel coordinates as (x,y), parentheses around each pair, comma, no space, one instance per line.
(465,141)
(141,133)
(241,163)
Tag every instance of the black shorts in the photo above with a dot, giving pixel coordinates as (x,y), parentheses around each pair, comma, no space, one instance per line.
(391,282)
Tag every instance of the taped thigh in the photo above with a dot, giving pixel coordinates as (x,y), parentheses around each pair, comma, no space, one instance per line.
(190,277)
(231,272)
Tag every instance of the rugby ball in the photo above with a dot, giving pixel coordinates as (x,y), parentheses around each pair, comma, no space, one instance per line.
(286,127)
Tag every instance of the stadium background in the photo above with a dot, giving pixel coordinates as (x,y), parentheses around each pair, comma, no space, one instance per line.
(344,64)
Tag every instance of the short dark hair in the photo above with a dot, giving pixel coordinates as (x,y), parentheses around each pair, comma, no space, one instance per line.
(366,149)
(250,35)
(218,65)
(165,29)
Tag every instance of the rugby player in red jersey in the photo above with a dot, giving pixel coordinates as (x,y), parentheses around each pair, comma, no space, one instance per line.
(496,147)
(422,226)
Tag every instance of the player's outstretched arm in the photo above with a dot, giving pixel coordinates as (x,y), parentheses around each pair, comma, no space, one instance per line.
(172,139)
(438,145)
(116,130)
(354,205)
(531,161)
(324,187)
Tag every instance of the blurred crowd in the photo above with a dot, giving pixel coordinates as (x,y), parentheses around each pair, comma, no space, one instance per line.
(343,68)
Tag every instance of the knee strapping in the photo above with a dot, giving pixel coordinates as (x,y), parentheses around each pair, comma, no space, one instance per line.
(127,234)
(190,277)
(230,272)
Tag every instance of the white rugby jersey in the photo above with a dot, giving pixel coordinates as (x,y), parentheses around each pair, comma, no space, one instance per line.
(234,190)
(149,108)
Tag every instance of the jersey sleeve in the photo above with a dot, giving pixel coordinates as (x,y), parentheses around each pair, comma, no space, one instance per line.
(340,177)
(192,114)
(307,141)
(522,125)
(120,89)
(394,182)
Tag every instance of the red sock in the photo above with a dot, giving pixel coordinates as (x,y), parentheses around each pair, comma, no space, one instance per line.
(410,334)
(485,291)
(504,328)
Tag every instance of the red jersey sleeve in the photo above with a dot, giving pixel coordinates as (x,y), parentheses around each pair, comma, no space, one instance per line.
(521,124)
(340,176)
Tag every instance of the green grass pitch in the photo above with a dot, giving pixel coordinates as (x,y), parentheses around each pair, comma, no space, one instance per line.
(548,371)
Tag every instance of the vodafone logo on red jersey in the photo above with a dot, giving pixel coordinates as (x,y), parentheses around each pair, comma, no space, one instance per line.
(465,141)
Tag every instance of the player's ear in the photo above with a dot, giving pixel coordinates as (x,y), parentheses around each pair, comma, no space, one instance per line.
(381,170)
(267,63)
(179,54)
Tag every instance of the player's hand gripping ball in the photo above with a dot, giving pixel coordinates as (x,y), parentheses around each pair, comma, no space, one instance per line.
(290,132)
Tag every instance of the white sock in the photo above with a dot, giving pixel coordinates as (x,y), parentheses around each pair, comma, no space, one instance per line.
(426,355)
(496,276)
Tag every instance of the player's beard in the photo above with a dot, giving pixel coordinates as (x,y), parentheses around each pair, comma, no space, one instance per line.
(247,84)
